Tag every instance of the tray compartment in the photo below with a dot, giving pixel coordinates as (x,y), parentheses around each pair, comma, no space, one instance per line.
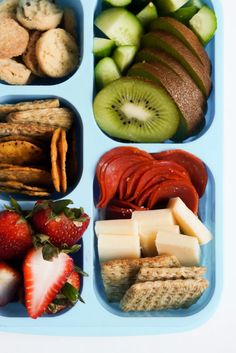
(76,6)
(210,108)
(79,143)
(208,259)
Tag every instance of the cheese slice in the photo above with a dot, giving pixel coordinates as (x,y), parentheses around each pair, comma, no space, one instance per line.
(117,227)
(189,223)
(154,217)
(111,247)
(148,232)
(184,247)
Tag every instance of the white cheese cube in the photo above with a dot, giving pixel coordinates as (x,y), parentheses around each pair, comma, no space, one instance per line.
(117,227)
(154,217)
(111,247)
(184,247)
(189,223)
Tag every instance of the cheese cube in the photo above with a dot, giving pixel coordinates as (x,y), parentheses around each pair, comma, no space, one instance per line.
(189,223)
(117,227)
(111,247)
(154,217)
(184,247)
(148,232)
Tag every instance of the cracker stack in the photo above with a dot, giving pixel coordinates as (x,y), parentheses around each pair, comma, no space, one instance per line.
(157,283)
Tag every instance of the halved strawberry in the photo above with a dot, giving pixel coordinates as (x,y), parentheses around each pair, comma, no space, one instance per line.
(44,279)
(9,283)
(63,225)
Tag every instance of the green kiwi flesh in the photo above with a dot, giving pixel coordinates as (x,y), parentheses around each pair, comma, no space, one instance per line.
(191,114)
(136,110)
(173,46)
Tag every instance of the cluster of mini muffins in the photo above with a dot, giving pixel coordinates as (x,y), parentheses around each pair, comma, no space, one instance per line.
(37,39)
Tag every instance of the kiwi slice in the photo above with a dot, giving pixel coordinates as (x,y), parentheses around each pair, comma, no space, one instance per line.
(191,114)
(186,36)
(137,110)
(173,46)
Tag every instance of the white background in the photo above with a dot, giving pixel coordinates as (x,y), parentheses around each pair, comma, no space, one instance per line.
(218,334)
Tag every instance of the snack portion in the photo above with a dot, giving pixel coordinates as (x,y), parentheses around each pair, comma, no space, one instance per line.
(31,43)
(141,53)
(45,278)
(150,257)
(36,143)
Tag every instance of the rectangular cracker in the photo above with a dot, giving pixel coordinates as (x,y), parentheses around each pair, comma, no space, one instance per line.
(164,273)
(42,132)
(163,295)
(58,117)
(119,275)
(31,105)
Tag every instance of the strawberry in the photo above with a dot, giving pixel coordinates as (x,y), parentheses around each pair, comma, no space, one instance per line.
(63,225)
(44,279)
(15,233)
(10,281)
(68,296)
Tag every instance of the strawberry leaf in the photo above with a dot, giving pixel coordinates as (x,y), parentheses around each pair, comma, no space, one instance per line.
(71,250)
(81,272)
(60,206)
(70,292)
(49,252)
(14,206)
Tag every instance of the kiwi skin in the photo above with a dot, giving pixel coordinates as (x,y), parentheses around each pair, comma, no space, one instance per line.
(156,117)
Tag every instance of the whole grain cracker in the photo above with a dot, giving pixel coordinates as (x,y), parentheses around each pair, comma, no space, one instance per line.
(119,275)
(58,117)
(42,132)
(31,105)
(163,295)
(164,273)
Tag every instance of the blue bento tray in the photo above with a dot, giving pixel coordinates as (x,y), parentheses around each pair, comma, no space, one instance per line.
(97,317)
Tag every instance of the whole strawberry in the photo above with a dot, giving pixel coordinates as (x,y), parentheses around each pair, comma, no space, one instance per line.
(63,225)
(15,233)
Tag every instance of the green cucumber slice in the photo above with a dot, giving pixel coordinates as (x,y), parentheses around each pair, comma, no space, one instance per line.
(197,3)
(118,3)
(148,14)
(121,26)
(184,14)
(204,24)
(167,6)
(102,47)
(106,71)
(124,56)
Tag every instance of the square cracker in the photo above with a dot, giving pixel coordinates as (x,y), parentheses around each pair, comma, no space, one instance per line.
(164,273)
(163,295)
(119,275)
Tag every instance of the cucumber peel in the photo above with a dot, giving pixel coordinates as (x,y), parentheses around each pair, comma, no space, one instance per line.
(184,14)
(102,47)
(204,24)
(167,6)
(124,56)
(118,3)
(106,71)
(148,14)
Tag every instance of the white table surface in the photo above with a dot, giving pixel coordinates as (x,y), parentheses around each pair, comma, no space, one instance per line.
(219,333)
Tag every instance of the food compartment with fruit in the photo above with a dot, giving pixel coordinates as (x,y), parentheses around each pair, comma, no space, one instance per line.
(154,243)
(154,69)
(41,144)
(41,41)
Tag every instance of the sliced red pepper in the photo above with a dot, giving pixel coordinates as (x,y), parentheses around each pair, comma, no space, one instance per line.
(195,167)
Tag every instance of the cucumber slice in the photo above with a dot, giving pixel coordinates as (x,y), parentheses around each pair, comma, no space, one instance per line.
(167,6)
(121,26)
(184,14)
(124,56)
(105,72)
(102,47)
(204,24)
(118,3)
(197,3)
(148,14)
